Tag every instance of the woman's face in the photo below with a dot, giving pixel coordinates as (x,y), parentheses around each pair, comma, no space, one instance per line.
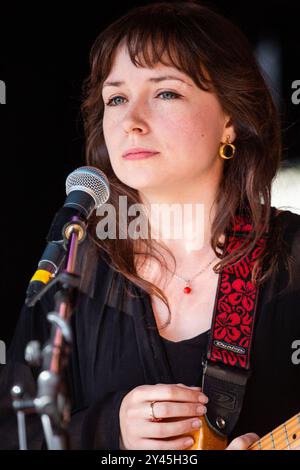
(173,117)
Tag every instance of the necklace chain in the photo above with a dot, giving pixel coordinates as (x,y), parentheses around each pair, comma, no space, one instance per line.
(187,289)
(197,274)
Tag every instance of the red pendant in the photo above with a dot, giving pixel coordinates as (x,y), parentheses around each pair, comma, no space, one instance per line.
(187,290)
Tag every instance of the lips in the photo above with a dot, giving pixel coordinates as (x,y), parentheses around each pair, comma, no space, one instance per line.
(138,153)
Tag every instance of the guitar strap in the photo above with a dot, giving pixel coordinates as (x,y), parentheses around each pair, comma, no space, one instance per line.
(227,366)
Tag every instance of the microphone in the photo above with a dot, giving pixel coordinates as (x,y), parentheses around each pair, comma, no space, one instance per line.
(87,188)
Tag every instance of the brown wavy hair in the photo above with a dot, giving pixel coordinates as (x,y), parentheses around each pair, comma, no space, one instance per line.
(217,56)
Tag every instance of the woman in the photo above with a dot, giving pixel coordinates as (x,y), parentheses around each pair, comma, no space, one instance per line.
(178,84)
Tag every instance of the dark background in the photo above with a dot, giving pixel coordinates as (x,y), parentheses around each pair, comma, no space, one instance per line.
(43,60)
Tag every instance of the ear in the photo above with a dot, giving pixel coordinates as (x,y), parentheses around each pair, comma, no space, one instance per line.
(228,130)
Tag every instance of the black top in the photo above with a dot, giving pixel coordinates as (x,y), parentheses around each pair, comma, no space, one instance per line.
(186,358)
(116,347)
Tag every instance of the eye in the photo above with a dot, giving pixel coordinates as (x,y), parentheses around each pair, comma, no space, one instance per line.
(172,93)
(111,101)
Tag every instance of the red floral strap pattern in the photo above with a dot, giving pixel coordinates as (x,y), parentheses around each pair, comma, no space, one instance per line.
(236,302)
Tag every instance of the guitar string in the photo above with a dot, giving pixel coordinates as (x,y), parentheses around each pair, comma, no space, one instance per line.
(285,438)
(296,441)
(278,440)
(269,445)
(286,447)
(279,429)
(284,441)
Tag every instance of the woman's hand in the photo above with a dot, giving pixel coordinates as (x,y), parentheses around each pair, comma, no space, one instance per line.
(243,442)
(178,408)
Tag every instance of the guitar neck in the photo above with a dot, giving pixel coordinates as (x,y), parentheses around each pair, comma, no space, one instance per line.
(285,437)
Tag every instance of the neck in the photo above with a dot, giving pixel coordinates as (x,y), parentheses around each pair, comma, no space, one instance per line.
(186,230)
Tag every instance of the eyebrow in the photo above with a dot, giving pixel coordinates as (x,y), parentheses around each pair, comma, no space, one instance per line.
(152,79)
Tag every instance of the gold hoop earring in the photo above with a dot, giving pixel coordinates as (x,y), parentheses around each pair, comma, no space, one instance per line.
(226,149)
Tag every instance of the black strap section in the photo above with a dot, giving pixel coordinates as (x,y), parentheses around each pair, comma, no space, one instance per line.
(225,386)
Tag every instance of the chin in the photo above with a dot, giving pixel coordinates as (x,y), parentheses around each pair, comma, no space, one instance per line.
(137,185)
(137,179)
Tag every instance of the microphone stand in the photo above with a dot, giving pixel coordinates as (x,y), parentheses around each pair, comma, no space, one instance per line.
(51,401)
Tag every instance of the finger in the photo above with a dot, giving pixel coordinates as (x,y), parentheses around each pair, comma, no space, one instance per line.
(243,442)
(162,409)
(187,386)
(202,397)
(164,429)
(179,443)
(173,392)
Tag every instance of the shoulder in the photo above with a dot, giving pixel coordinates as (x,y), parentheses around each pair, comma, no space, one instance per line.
(285,244)
(286,226)
(93,266)
(289,221)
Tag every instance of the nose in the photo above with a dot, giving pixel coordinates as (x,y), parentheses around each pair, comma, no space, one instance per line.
(135,120)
